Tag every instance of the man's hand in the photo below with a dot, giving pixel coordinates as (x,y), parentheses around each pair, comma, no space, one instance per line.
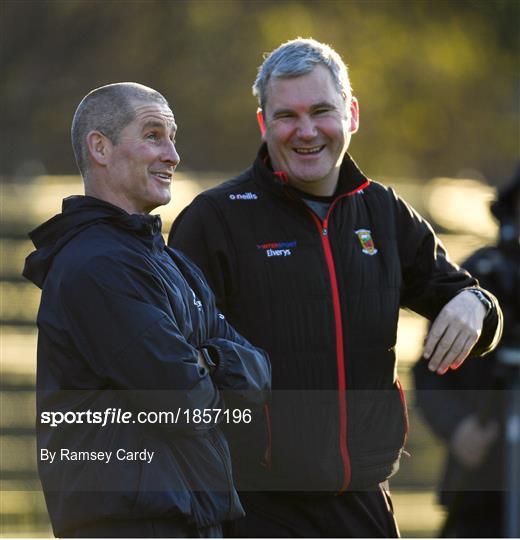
(471,441)
(454,332)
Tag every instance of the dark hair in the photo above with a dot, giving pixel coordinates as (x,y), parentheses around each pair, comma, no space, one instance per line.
(108,109)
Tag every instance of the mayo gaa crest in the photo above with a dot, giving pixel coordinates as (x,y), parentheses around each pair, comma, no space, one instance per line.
(365,239)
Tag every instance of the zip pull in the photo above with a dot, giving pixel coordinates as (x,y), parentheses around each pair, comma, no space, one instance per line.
(325,226)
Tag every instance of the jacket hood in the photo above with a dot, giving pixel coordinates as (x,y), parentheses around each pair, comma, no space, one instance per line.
(78,213)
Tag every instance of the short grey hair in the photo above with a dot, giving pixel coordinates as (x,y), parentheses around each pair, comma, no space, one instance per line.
(108,109)
(298,57)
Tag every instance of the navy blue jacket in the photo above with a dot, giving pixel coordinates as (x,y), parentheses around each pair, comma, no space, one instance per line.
(323,298)
(121,322)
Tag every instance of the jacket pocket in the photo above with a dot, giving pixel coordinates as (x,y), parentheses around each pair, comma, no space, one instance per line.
(219,443)
(163,485)
(378,437)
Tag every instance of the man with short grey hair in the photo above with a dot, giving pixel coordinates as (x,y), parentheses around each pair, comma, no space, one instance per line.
(107,109)
(312,260)
(133,355)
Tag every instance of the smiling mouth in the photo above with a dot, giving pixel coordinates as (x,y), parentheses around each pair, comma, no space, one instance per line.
(309,151)
(163,176)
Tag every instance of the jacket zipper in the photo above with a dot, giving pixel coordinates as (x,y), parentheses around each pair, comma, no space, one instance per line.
(340,355)
(229,477)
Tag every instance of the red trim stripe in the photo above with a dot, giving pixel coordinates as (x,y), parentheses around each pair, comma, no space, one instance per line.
(268,451)
(340,357)
(282,176)
(340,354)
(405,410)
(363,186)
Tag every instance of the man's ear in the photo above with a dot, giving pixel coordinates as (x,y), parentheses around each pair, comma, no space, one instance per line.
(354,115)
(260,120)
(99,147)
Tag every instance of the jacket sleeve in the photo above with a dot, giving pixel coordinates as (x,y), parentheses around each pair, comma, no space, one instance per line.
(431,279)
(242,369)
(467,390)
(116,324)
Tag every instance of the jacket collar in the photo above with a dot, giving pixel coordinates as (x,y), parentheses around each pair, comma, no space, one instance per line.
(78,213)
(350,176)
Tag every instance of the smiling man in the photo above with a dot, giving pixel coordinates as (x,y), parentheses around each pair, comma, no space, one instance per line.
(313,265)
(309,129)
(128,327)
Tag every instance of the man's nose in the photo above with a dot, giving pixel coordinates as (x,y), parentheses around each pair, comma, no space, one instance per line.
(306,128)
(170,154)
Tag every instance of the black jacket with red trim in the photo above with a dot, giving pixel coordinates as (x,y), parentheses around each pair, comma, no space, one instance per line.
(323,299)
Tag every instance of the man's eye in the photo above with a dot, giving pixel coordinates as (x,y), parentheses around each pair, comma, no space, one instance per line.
(322,110)
(152,136)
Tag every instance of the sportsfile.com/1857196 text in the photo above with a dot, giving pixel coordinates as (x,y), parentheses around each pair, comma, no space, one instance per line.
(114,415)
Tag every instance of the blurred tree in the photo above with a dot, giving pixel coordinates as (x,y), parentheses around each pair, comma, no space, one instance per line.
(436,80)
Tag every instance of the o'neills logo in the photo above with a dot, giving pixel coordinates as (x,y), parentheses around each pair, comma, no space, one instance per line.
(277,249)
(243,196)
(365,239)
